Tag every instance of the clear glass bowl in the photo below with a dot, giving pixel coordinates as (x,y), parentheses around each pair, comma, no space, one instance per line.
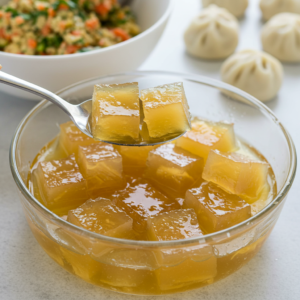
(132,266)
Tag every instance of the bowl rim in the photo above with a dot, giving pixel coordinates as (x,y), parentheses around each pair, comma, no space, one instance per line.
(144,33)
(150,244)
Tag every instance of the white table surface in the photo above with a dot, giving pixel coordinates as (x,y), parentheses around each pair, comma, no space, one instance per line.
(26,272)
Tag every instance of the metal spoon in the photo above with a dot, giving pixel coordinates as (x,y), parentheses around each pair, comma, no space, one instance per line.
(79,114)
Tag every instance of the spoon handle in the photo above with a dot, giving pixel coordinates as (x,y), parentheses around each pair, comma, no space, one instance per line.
(34,89)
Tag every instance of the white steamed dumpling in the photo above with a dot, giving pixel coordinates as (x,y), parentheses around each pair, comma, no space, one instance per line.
(236,7)
(254,72)
(271,8)
(213,34)
(281,37)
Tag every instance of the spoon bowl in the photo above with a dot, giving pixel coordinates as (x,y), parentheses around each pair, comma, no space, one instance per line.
(80,114)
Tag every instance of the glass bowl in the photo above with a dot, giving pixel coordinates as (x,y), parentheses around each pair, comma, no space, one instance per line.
(132,266)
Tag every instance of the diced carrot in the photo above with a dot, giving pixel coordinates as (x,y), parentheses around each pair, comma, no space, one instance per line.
(1,14)
(40,6)
(121,33)
(102,9)
(7,15)
(76,32)
(2,33)
(51,12)
(92,23)
(62,25)
(32,43)
(108,4)
(63,6)
(19,20)
(46,30)
(71,49)
(101,42)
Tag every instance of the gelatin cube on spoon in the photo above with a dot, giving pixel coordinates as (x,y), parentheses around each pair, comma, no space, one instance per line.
(180,266)
(116,112)
(166,110)
(101,216)
(237,174)
(141,200)
(101,166)
(172,169)
(207,135)
(215,208)
(71,138)
(61,184)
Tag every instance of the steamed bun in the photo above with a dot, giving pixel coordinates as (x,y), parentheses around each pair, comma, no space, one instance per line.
(271,8)
(213,34)
(254,72)
(281,36)
(236,7)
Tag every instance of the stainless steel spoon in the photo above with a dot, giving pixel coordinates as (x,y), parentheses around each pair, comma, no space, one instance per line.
(79,113)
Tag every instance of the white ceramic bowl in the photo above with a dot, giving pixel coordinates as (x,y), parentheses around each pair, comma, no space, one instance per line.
(57,71)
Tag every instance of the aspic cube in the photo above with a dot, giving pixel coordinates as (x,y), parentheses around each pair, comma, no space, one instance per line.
(215,208)
(101,216)
(61,184)
(71,138)
(134,157)
(101,166)
(180,266)
(128,268)
(116,112)
(141,200)
(166,110)
(173,170)
(173,225)
(206,135)
(237,174)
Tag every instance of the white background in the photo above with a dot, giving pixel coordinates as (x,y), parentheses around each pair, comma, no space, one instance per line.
(26,272)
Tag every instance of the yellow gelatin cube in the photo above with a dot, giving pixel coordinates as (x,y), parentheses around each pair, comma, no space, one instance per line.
(116,112)
(127,268)
(141,200)
(180,266)
(173,170)
(187,273)
(134,157)
(101,166)
(237,174)
(215,208)
(173,225)
(101,216)
(61,184)
(166,110)
(71,138)
(206,135)
(82,266)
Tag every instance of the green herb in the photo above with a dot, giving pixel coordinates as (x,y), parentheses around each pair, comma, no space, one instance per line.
(121,21)
(13,11)
(54,41)
(87,49)
(81,41)
(70,4)
(86,5)
(82,15)
(41,46)
(35,14)
(26,17)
